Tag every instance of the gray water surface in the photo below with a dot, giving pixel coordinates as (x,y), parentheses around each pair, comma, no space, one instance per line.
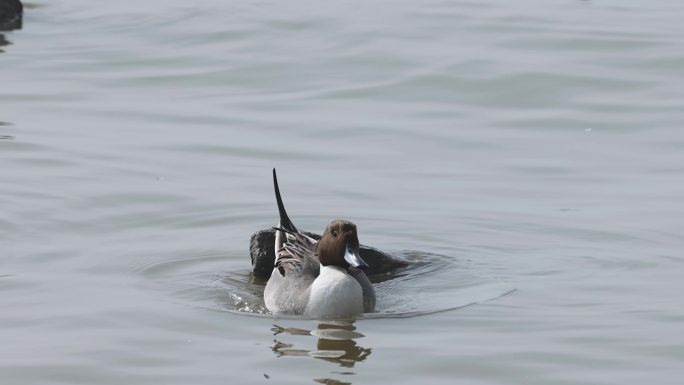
(529,146)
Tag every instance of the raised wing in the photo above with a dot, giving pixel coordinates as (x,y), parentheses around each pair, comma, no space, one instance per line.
(295,252)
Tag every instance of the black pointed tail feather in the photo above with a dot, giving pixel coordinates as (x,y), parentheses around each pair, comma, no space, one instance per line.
(285,221)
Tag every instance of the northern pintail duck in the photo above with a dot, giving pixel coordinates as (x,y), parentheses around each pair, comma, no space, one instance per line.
(10,14)
(317,278)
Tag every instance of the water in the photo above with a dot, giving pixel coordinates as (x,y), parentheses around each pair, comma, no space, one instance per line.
(533,146)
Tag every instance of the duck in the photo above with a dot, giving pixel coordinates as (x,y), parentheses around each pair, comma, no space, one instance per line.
(317,278)
(11,12)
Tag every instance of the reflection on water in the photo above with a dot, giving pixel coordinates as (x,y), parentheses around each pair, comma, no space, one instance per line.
(330,381)
(4,137)
(336,343)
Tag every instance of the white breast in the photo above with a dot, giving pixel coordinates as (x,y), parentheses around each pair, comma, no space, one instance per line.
(334,293)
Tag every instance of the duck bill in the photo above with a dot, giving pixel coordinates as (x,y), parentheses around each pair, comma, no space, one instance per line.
(353,259)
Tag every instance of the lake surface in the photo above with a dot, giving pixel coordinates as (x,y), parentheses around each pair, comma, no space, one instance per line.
(527,157)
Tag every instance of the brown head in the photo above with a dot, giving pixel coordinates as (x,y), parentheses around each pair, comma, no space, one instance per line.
(339,246)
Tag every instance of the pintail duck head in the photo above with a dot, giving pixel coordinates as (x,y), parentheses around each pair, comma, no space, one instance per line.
(339,246)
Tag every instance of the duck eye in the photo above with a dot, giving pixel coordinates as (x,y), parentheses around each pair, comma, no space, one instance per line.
(334,233)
